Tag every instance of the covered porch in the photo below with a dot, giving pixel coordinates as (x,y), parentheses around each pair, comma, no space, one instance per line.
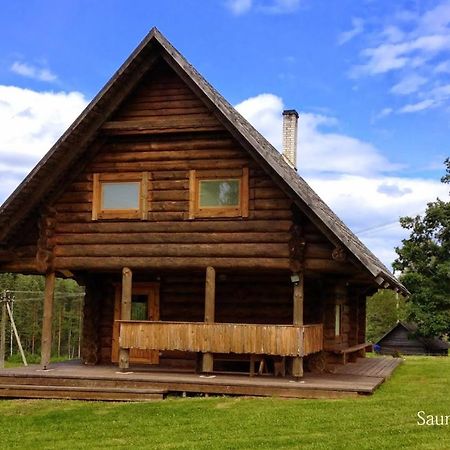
(260,320)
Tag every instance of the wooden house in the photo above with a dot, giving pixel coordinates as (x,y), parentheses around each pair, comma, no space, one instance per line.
(403,339)
(198,245)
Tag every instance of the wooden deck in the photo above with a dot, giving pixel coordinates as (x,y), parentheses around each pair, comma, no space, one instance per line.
(71,380)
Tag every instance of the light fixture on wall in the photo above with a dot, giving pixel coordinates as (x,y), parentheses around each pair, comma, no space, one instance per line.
(295,279)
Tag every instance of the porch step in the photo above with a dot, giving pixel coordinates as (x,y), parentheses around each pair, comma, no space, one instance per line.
(65,381)
(80,393)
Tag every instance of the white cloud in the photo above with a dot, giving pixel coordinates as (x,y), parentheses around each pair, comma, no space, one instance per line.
(30,123)
(351,175)
(419,106)
(413,48)
(239,7)
(408,85)
(357,28)
(30,71)
(385,112)
(371,212)
(279,6)
(320,150)
(443,67)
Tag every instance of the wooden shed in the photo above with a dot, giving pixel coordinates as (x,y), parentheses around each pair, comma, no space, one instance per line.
(402,338)
(197,243)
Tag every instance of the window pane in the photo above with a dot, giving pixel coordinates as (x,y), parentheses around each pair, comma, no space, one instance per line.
(139,307)
(120,195)
(219,193)
(337,323)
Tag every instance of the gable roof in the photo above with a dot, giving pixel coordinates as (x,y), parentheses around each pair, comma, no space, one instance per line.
(430,343)
(76,140)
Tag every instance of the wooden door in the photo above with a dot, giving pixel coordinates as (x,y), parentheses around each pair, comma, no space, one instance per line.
(144,306)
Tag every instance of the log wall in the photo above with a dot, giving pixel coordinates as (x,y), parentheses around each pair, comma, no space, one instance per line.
(168,239)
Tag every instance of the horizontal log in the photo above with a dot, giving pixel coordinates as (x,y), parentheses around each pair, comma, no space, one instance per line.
(6,255)
(163,125)
(161,89)
(267,204)
(178,250)
(331,266)
(281,214)
(155,238)
(137,113)
(23,265)
(168,155)
(170,195)
(157,263)
(167,103)
(76,197)
(154,97)
(172,145)
(73,207)
(152,166)
(169,174)
(171,185)
(319,251)
(201,226)
(270,193)
(166,205)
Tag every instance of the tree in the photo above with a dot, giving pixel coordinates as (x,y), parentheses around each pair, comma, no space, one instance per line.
(424,260)
(384,309)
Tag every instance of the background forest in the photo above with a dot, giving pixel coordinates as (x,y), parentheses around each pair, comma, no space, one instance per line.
(27,293)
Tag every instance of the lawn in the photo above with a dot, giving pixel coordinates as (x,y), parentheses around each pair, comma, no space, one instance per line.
(387,419)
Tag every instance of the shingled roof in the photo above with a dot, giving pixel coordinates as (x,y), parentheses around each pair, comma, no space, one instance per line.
(76,140)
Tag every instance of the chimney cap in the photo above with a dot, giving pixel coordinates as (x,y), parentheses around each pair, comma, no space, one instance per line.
(290,112)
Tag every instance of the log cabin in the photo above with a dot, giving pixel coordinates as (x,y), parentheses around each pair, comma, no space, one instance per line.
(403,339)
(199,245)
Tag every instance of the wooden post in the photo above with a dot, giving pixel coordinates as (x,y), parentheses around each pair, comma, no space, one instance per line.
(46,347)
(16,334)
(127,287)
(210,298)
(3,332)
(298,299)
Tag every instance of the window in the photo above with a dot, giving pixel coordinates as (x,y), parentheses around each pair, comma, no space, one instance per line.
(219,194)
(337,320)
(120,196)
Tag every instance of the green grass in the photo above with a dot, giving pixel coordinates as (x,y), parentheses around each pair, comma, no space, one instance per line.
(386,420)
(16,359)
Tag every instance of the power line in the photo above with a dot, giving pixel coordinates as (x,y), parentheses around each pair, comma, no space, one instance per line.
(384,225)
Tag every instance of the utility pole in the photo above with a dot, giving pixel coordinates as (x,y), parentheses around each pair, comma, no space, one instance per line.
(2,329)
(6,301)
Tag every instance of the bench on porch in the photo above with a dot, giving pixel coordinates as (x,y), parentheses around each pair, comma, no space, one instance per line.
(350,353)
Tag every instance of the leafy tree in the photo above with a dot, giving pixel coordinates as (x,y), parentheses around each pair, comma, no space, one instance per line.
(384,309)
(424,260)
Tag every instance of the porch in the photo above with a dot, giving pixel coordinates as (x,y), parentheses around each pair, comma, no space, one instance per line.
(73,380)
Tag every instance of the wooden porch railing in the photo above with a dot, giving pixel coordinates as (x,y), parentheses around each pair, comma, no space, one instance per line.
(281,340)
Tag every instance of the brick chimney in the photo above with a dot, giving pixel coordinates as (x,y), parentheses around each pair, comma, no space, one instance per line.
(290,126)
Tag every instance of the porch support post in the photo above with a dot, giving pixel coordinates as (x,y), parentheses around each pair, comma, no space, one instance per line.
(127,286)
(49,294)
(210,299)
(298,298)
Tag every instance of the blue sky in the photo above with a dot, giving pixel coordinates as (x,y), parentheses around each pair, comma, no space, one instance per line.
(371,80)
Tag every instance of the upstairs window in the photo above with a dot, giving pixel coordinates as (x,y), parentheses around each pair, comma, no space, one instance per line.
(120,196)
(218,194)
